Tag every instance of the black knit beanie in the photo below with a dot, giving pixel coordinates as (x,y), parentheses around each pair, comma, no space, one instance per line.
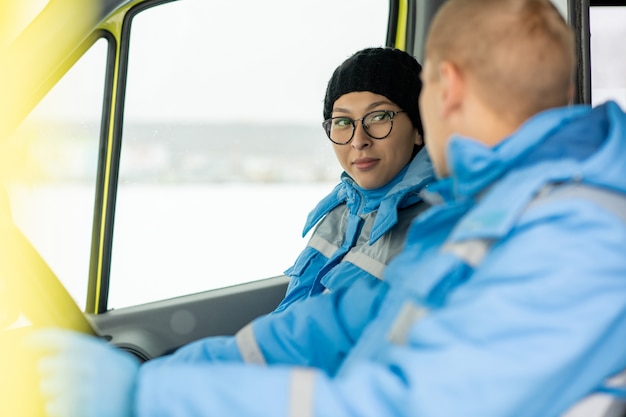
(386,71)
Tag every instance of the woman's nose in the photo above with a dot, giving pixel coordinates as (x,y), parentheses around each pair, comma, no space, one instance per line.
(361,139)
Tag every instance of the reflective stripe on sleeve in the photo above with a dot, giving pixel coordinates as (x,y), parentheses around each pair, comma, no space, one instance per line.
(409,314)
(301,398)
(323,246)
(248,347)
(366,263)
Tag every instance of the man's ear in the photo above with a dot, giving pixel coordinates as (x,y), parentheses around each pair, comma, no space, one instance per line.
(453,87)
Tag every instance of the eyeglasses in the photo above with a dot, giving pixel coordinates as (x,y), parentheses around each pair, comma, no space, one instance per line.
(377,125)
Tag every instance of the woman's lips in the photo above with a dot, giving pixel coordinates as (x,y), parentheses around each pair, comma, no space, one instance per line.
(365,164)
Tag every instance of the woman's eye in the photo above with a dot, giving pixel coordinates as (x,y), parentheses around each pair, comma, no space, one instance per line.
(381,117)
(341,122)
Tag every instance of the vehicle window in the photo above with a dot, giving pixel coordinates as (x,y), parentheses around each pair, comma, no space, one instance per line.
(223,153)
(52,194)
(608,54)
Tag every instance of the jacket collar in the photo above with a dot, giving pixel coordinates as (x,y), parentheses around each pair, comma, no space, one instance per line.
(404,192)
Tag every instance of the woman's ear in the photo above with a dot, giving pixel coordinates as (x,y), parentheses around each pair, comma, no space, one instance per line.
(418,140)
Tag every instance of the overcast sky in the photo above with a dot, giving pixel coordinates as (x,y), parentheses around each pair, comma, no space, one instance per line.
(219,61)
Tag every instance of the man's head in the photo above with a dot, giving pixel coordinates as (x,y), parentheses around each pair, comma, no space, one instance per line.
(490,65)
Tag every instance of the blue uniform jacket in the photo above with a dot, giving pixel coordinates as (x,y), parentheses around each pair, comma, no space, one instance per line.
(358,232)
(536,325)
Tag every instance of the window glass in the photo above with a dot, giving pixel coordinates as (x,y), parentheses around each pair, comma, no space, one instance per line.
(608,54)
(52,196)
(223,153)
(562,6)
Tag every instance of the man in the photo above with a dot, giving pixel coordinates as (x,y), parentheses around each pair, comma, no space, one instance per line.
(509,298)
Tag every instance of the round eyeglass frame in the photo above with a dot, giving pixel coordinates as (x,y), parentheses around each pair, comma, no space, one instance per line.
(326,124)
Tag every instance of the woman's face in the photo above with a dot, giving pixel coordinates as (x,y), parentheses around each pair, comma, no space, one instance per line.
(372,163)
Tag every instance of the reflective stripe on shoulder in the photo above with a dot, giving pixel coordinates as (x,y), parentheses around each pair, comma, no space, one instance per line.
(322,246)
(366,263)
(471,251)
(612,201)
(409,314)
(248,347)
(301,398)
(330,232)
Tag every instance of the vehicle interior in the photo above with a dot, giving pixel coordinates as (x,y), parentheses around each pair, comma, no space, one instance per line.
(158,158)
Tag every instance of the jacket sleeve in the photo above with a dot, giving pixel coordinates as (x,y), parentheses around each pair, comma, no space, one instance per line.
(209,349)
(536,328)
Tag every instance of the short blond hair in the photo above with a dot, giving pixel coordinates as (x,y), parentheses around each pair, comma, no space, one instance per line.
(519,52)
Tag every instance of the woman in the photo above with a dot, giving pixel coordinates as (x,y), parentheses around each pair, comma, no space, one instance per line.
(372,120)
